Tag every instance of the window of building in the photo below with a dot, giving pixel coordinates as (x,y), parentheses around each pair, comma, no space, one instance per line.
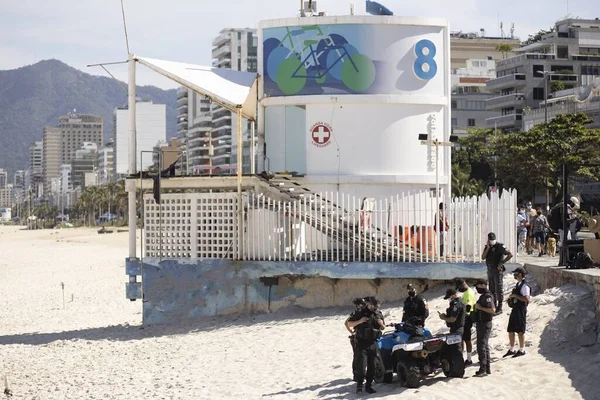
(537,71)
(454,122)
(471,122)
(453,104)
(538,93)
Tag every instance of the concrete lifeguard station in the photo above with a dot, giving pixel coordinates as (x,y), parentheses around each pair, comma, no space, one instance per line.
(352,116)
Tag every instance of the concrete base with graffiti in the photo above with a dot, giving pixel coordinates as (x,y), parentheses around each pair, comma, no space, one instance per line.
(181,291)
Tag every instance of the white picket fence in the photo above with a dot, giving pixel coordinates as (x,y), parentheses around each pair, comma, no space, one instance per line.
(327,227)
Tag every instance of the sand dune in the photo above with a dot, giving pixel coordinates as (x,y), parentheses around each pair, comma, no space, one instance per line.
(94,348)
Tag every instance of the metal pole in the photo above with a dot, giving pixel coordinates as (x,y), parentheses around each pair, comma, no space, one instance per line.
(160,209)
(564,251)
(252,149)
(132,157)
(239,185)
(546,122)
(437,197)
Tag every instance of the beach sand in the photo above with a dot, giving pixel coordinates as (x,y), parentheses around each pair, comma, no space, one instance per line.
(95,347)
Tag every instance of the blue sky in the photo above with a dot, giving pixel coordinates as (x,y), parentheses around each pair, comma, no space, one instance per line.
(90,31)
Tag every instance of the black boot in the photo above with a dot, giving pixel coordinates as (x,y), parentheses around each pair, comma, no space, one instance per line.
(488,370)
(369,389)
(359,388)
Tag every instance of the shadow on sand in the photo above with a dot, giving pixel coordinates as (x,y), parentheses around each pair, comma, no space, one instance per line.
(569,340)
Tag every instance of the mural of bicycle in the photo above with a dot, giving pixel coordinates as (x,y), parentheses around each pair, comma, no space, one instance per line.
(306,54)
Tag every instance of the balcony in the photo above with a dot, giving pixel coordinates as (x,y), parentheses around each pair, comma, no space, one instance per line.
(505,121)
(514,80)
(511,61)
(219,52)
(221,116)
(566,78)
(222,63)
(500,102)
(222,38)
(222,127)
(586,57)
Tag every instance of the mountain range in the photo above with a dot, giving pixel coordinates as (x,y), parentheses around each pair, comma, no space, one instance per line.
(36,95)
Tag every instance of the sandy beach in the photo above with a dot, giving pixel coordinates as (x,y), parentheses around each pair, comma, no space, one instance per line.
(92,346)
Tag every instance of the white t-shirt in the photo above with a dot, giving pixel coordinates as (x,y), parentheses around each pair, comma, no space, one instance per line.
(525,290)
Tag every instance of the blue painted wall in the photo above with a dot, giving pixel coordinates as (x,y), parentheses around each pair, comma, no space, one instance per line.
(178,291)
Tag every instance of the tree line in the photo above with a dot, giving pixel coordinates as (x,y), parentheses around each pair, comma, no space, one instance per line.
(526,160)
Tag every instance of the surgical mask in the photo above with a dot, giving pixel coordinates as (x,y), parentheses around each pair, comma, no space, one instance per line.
(462,289)
(412,293)
(529,207)
(480,290)
(492,242)
(521,211)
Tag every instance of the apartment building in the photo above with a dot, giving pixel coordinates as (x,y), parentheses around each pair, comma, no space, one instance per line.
(564,59)
(36,169)
(84,161)
(3,178)
(207,128)
(476,46)
(52,140)
(105,163)
(76,130)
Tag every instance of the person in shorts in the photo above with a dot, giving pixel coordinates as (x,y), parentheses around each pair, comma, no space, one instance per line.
(540,225)
(517,322)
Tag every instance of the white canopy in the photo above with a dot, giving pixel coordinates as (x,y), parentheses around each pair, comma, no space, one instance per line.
(228,88)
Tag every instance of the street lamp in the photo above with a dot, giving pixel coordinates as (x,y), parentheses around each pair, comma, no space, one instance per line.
(424,138)
(546,75)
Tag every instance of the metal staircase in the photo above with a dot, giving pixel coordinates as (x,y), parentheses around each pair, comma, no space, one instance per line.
(336,223)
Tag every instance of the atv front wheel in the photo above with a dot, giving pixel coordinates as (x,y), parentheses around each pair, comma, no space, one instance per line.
(379,369)
(409,374)
(453,363)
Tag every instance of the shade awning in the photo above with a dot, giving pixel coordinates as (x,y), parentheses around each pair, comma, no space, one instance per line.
(228,88)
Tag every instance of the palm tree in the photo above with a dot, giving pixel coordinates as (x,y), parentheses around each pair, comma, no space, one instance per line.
(504,48)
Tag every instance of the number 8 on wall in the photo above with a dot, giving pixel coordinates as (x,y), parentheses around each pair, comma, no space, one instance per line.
(425,66)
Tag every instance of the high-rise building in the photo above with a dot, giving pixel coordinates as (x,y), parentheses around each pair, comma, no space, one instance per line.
(19,179)
(6,196)
(51,157)
(209,127)
(77,129)
(84,161)
(3,178)
(151,124)
(36,168)
(105,163)
(566,58)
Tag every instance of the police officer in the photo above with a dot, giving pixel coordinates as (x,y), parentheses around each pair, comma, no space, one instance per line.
(359,304)
(517,322)
(496,255)
(468,299)
(484,312)
(415,309)
(455,314)
(368,329)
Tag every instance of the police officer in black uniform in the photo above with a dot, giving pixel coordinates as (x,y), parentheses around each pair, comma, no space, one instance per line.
(368,327)
(415,309)
(496,255)
(359,304)
(455,314)
(482,316)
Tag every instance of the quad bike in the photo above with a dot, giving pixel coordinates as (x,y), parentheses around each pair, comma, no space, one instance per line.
(413,353)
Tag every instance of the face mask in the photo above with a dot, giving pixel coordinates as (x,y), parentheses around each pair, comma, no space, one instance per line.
(480,290)
(529,207)
(462,289)
(521,211)
(492,242)
(412,293)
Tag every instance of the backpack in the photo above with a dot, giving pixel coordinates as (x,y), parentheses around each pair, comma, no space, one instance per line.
(581,261)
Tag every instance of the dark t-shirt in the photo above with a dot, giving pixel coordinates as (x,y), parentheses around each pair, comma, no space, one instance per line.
(415,308)
(456,309)
(495,254)
(485,300)
(368,331)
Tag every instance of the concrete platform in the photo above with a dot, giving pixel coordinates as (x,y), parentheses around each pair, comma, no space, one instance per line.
(548,275)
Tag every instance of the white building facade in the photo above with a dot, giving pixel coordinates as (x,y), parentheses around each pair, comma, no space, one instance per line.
(151,122)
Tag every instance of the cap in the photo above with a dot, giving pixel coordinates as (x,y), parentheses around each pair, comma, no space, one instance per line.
(458,282)
(491,236)
(449,293)
(481,282)
(358,301)
(520,270)
(373,300)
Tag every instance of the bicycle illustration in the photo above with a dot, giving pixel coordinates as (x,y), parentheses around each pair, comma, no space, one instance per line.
(308,54)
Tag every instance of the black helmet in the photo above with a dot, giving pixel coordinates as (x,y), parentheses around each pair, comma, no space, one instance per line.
(373,300)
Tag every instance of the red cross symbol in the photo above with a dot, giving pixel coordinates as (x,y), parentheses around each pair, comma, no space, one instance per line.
(321,134)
